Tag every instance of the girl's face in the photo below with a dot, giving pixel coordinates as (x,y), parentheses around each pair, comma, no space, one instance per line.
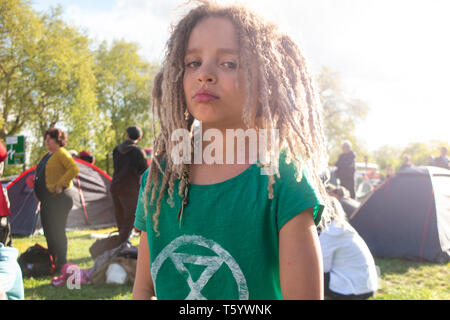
(50,144)
(212,74)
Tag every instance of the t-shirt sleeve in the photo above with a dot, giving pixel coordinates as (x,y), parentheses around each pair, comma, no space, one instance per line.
(140,220)
(293,197)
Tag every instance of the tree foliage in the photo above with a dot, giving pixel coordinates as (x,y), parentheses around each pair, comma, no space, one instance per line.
(123,93)
(20,31)
(51,77)
(65,82)
(341,114)
(419,153)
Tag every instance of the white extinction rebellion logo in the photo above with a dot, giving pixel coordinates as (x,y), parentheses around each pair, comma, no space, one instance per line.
(212,264)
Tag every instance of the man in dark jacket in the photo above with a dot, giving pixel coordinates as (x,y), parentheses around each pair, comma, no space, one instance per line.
(129,164)
(442,161)
(346,168)
(406,163)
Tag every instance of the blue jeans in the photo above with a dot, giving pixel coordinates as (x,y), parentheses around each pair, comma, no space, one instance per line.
(11,281)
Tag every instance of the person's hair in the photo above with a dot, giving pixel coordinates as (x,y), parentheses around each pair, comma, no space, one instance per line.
(134,132)
(286,98)
(336,212)
(58,135)
(347,143)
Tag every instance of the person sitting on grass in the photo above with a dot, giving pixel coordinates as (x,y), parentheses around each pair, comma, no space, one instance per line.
(349,268)
(348,204)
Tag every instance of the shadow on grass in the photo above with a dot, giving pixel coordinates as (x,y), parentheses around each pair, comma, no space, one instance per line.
(398,266)
(19,236)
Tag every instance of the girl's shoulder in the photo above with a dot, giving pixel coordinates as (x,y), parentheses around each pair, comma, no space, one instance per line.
(290,170)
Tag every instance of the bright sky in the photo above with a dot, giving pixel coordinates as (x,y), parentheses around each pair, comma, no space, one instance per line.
(393,54)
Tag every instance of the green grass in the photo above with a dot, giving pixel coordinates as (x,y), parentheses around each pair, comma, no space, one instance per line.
(410,280)
(399,279)
(78,253)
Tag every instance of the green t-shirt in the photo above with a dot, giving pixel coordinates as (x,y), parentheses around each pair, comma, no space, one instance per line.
(227,245)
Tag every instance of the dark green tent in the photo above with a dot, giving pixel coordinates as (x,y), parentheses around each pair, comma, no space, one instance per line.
(408,216)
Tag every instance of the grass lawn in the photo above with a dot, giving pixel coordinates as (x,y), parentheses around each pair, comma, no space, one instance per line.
(399,279)
(78,253)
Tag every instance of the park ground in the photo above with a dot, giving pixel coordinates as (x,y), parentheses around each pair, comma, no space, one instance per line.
(399,279)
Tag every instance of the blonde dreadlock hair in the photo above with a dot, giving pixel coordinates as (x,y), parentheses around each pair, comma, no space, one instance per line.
(286,102)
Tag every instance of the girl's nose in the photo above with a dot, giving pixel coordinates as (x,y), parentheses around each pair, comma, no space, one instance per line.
(206,76)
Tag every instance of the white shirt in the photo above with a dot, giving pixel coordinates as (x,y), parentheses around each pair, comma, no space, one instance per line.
(348,259)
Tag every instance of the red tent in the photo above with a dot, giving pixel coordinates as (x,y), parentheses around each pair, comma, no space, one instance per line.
(93,205)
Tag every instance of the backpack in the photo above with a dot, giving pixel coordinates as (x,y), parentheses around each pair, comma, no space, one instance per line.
(36,262)
(102,245)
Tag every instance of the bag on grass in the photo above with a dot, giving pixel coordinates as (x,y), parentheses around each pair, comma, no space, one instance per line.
(102,245)
(36,262)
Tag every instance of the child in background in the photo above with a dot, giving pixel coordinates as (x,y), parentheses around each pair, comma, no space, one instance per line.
(232,231)
(350,271)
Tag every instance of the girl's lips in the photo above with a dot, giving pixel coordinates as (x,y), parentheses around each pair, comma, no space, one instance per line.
(204,97)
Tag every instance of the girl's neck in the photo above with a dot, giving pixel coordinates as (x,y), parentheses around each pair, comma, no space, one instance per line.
(230,146)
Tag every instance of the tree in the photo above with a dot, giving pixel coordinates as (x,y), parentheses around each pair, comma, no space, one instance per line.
(65,83)
(20,31)
(48,77)
(123,87)
(387,155)
(341,114)
(418,151)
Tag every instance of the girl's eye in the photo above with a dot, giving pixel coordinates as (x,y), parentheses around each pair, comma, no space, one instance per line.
(193,64)
(230,65)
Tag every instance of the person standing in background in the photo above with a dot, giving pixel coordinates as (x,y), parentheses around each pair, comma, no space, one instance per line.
(52,186)
(406,163)
(129,163)
(346,168)
(442,160)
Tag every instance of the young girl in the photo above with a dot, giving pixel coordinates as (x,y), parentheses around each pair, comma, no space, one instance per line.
(232,232)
